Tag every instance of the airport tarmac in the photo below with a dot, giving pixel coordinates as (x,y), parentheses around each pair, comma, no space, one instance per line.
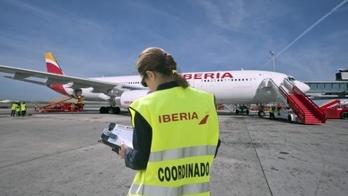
(58,154)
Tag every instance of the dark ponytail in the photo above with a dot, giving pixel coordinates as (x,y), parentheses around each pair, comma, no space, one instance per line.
(170,62)
(180,80)
(156,59)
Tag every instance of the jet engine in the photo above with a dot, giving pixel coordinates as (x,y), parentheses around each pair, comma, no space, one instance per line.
(128,97)
(77,92)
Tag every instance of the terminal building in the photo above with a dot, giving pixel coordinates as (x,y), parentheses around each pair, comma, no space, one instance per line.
(337,89)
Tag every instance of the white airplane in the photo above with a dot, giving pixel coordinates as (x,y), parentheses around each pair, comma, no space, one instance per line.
(5,101)
(229,87)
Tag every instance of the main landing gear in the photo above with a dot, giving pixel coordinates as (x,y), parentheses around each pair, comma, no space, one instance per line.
(242,109)
(109,110)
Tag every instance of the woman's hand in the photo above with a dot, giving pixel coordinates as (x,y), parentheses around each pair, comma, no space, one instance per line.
(122,151)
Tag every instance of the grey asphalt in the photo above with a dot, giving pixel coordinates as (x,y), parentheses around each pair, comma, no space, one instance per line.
(58,154)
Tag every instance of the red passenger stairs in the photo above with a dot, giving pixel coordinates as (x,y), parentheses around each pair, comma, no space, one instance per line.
(330,104)
(334,109)
(306,110)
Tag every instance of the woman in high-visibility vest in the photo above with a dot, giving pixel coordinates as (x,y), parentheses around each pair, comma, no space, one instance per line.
(176,131)
(23,107)
(18,109)
(13,108)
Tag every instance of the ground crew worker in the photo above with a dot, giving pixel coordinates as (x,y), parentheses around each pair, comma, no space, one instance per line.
(23,108)
(279,107)
(18,109)
(176,132)
(13,108)
(272,112)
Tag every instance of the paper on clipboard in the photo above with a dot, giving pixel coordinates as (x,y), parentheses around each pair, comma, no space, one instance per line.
(120,134)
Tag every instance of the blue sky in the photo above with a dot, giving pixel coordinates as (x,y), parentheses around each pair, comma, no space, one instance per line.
(103,38)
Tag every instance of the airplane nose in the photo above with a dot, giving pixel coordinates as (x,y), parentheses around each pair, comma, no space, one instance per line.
(302,86)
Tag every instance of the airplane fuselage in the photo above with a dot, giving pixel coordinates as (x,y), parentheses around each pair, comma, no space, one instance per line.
(229,87)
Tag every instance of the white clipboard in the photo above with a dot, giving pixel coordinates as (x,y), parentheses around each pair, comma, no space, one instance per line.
(120,134)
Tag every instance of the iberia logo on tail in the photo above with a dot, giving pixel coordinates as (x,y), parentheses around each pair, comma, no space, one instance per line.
(53,67)
(52,64)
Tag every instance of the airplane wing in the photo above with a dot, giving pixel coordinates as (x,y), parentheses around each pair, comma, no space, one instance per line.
(50,78)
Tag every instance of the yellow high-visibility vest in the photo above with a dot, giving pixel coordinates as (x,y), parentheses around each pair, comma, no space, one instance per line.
(18,108)
(23,106)
(185,134)
(13,106)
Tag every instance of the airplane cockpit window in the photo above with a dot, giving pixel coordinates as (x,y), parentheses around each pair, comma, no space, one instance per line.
(291,78)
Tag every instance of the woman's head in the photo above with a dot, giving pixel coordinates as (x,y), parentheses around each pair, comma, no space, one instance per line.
(156,66)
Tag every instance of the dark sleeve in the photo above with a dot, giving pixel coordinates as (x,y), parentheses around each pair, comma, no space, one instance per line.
(219,141)
(138,157)
(217,148)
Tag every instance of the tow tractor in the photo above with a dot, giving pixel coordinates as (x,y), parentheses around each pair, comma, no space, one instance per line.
(283,113)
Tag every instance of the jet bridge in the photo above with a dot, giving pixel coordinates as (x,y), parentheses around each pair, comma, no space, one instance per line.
(305,109)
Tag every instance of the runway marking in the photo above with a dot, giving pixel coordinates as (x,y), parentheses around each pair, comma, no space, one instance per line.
(259,160)
(45,156)
(101,120)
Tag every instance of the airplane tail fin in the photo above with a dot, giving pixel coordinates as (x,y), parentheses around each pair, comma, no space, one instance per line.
(53,67)
(52,64)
